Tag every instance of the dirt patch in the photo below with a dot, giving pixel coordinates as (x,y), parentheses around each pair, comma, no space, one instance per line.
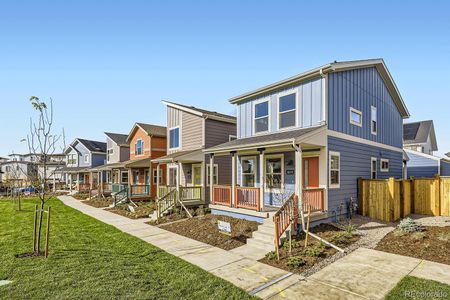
(204,229)
(99,202)
(143,210)
(301,259)
(30,254)
(168,219)
(433,244)
(81,196)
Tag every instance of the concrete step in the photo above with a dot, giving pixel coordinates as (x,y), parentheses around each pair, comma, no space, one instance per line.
(261,245)
(266,229)
(264,237)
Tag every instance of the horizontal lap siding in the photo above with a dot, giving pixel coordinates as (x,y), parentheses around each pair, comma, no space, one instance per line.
(217,132)
(355,163)
(423,172)
(421,166)
(224,170)
(191,132)
(445,168)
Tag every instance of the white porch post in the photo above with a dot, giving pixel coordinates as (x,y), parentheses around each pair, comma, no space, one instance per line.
(298,181)
(70,182)
(100,179)
(157,180)
(233,179)
(211,178)
(261,179)
(178,181)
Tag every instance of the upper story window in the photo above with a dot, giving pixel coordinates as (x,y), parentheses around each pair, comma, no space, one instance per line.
(261,119)
(109,154)
(287,111)
(355,117)
(174,138)
(72,159)
(86,158)
(373,120)
(139,147)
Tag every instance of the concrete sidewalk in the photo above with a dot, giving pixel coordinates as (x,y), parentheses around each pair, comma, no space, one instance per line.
(363,274)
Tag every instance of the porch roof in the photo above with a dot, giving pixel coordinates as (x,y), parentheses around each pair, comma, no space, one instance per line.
(182,156)
(272,139)
(108,167)
(74,169)
(138,163)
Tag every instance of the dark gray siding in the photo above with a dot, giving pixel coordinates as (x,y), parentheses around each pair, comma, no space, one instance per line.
(217,132)
(355,163)
(224,170)
(361,89)
(445,168)
(98,160)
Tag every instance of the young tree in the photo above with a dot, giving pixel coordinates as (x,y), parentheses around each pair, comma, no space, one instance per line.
(42,142)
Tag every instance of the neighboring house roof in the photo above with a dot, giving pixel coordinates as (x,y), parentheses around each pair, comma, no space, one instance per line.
(266,140)
(93,146)
(150,129)
(119,139)
(419,132)
(182,156)
(202,112)
(329,68)
(432,157)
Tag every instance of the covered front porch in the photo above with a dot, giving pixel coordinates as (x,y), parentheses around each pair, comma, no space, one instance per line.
(269,170)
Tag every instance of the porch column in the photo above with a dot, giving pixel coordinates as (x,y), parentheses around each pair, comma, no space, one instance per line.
(178,181)
(100,179)
(233,178)
(261,179)
(203,193)
(157,180)
(298,181)
(70,182)
(211,178)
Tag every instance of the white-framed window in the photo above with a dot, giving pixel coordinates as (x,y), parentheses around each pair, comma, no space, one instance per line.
(86,158)
(174,138)
(373,120)
(384,165)
(261,119)
(287,110)
(215,174)
(335,169)
(274,171)
(124,177)
(173,170)
(109,153)
(139,147)
(248,171)
(156,177)
(355,117)
(373,168)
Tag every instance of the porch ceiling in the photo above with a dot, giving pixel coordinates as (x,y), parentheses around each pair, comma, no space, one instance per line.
(182,156)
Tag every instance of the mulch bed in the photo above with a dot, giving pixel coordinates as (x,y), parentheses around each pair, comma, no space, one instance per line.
(99,203)
(204,229)
(432,244)
(300,259)
(143,210)
(81,196)
(168,219)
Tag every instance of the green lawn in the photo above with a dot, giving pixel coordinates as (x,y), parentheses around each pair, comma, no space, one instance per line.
(89,259)
(417,288)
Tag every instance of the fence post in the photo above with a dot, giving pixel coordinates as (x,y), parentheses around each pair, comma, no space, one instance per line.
(437,195)
(391,208)
(360,196)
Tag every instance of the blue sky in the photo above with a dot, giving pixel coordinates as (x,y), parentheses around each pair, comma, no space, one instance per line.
(108,64)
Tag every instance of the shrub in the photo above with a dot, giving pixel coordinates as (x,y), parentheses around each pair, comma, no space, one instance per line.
(271,255)
(418,235)
(314,251)
(341,238)
(200,211)
(408,225)
(350,229)
(295,244)
(295,261)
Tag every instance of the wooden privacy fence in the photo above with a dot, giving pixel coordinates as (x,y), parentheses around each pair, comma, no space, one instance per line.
(391,199)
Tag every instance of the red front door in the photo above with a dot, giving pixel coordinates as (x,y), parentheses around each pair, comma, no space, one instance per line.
(310,172)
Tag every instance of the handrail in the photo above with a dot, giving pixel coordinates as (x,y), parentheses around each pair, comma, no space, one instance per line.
(120,196)
(166,202)
(284,217)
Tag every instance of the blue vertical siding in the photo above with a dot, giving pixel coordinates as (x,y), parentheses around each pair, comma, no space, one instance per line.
(98,160)
(361,89)
(355,163)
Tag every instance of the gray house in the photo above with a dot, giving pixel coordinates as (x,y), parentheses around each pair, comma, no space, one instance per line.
(312,136)
(419,142)
(190,130)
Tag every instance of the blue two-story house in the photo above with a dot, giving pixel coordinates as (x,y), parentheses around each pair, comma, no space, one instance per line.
(82,156)
(312,135)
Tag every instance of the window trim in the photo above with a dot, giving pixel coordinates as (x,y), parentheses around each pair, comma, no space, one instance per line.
(373,108)
(155,176)
(338,185)
(121,177)
(255,172)
(283,94)
(216,168)
(274,190)
(175,167)
(135,147)
(179,137)
(266,99)
(87,158)
(372,159)
(354,110)
(384,170)
(232,137)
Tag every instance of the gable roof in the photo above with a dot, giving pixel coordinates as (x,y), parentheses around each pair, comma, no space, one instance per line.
(119,139)
(335,66)
(202,112)
(154,130)
(419,132)
(92,146)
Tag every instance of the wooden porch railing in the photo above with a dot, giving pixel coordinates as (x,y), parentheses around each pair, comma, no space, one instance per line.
(191,193)
(107,187)
(222,195)
(84,187)
(284,217)
(166,202)
(248,197)
(115,188)
(140,190)
(164,190)
(314,198)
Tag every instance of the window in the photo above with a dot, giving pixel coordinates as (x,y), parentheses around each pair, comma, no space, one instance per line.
(136,175)
(109,154)
(261,122)
(174,136)
(86,158)
(248,167)
(155,176)
(139,147)
(287,111)
(384,167)
(274,172)
(215,175)
(335,169)
(355,117)
(373,120)
(172,176)
(124,178)
(373,168)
